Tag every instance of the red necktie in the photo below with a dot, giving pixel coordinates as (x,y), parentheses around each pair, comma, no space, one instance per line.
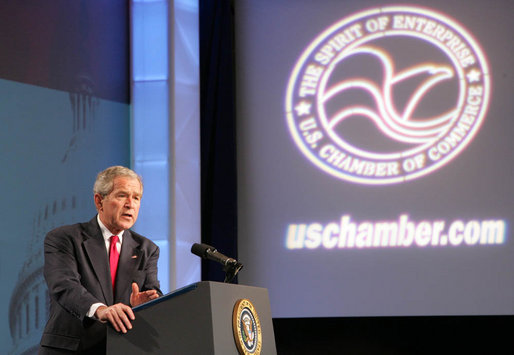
(114,256)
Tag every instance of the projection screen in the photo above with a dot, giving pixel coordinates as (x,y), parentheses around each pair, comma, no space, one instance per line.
(375,156)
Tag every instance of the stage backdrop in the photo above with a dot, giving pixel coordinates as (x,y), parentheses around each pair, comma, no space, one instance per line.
(65,116)
(375,156)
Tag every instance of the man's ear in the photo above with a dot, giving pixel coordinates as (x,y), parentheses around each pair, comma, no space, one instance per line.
(98,202)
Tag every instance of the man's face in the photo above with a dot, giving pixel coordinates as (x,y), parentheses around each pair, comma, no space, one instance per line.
(118,210)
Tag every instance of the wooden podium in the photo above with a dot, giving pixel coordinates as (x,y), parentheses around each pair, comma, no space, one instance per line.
(201,318)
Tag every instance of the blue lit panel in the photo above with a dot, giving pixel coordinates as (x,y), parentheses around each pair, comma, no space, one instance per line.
(150,40)
(151,126)
(165,133)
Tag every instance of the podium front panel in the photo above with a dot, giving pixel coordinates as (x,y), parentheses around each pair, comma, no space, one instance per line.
(194,320)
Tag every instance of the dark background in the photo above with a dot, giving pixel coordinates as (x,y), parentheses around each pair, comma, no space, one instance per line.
(472,187)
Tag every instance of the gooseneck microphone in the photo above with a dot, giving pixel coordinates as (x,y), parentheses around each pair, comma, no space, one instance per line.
(207,252)
(230,266)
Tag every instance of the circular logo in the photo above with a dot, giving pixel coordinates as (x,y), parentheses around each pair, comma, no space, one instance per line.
(247,328)
(387,95)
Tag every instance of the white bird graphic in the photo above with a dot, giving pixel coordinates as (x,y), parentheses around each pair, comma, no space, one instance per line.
(399,126)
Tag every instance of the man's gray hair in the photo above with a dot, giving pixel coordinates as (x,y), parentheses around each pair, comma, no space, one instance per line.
(104,183)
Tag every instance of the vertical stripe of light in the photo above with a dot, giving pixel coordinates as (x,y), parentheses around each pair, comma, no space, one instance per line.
(165,131)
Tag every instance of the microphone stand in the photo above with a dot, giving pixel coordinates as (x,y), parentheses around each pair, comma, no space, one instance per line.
(231,269)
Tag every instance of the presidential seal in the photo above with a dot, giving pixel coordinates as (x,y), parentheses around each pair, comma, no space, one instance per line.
(388,95)
(246,328)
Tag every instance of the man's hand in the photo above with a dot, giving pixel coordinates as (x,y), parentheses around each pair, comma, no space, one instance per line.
(137,298)
(119,315)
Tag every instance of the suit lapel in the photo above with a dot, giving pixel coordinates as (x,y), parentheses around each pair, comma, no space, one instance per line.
(130,257)
(94,246)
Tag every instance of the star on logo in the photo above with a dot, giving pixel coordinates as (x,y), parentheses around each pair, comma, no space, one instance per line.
(303,108)
(473,75)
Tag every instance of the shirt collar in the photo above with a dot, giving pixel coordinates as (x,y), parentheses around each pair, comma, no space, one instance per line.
(106,233)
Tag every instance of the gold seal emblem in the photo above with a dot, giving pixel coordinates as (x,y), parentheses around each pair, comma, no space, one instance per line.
(247,328)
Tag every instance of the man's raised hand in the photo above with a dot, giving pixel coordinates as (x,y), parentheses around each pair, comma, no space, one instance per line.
(137,298)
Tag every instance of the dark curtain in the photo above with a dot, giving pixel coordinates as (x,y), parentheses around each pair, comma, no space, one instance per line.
(218,132)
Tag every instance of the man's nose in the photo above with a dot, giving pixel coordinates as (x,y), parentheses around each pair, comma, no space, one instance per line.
(129,202)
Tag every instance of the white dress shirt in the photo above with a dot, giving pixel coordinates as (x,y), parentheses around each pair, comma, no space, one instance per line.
(107,238)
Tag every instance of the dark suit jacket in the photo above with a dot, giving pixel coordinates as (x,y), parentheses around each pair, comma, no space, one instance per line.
(77,273)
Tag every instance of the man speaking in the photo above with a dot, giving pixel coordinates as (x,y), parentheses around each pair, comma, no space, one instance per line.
(96,271)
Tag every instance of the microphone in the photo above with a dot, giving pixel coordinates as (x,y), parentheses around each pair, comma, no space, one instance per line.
(207,252)
(230,266)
